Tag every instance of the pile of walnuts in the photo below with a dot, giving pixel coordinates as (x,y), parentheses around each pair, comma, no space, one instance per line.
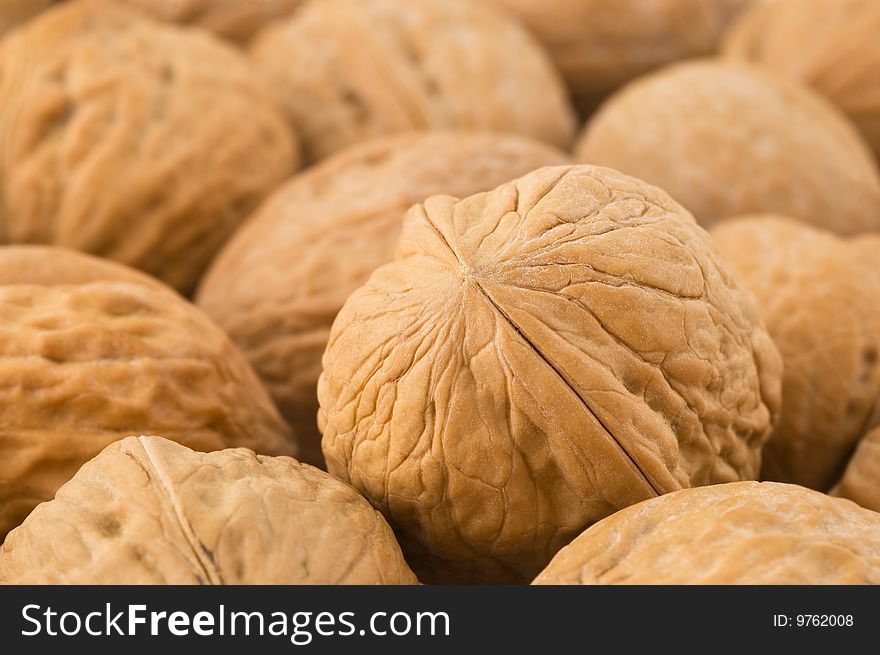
(338,292)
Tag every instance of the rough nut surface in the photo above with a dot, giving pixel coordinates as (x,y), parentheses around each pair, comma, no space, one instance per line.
(600,45)
(737,533)
(821,304)
(87,363)
(137,141)
(150,511)
(536,358)
(367,68)
(726,139)
(832,45)
(237,20)
(279,283)
(861,479)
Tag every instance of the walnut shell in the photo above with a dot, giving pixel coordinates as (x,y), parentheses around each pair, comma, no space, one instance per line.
(237,20)
(599,45)
(130,139)
(821,304)
(147,510)
(367,68)
(15,12)
(279,283)
(738,533)
(861,479)
(832,45)
(726,139)
(536,358)
(85,363)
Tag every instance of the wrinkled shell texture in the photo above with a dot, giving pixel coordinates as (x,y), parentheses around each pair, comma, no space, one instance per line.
(131,139)
(821,305)
(832,45)
(601,44)
(861,480)
(738,533)
(15,12)
(82,365)
(237,20)
(692,129)
(279,283)
(367,68)
(150,511)
(536,358)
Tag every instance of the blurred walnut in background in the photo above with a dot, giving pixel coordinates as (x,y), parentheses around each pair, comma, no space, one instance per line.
(832,45)
(599,45)
(15,12)
(132,139)
(237,20)
(349,70)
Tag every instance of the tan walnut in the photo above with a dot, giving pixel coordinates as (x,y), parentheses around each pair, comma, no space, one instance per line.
(736,533)
(94,355)
(821,304)
(832,45)
(367,68)
(15,12)
(280,281)
(726,139)
(861,479)
(599,45)
(534,359)
(133,140)
(237,20)
(147,510)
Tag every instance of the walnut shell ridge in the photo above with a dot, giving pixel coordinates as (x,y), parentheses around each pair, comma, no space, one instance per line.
(726,139)
(821,305)
(131,139)
(599,45)
(147,510)
(86,361)
(280,281)
(368,68)
(534,359)
(831,45)
(748,533)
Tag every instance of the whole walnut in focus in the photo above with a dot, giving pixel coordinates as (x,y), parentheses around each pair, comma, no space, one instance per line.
(279,283)
(832,45)
(127,138)
(747,533)
(534,359)
(237,20)
(601,44)
(861,479)
(89,355)
(147,510)
(726,139)
(349,70)
(821,304)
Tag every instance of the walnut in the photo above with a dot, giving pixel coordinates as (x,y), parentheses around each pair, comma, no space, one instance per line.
(726,139)
(821,304)
(368,68)
(738,533)
(279,283)
(147,510)
(90,353)
(861,479)
(127,138)
(536,358)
